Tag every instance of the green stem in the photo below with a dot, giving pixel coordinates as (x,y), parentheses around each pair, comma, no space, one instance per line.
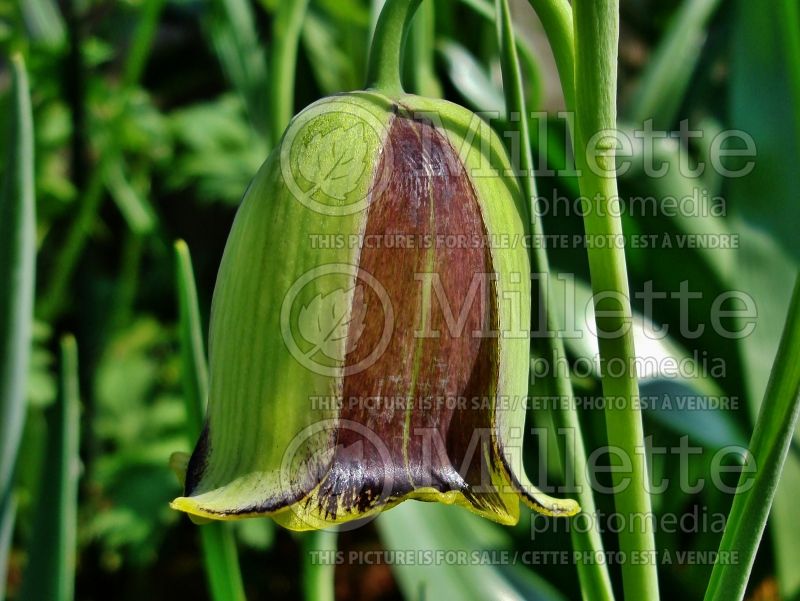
(596,37)
(556,17)
(386,54)
(769,446)
(318,570)
(594,576)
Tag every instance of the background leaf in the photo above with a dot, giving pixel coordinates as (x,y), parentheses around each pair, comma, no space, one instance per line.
(17,269)
(765,69)
(50,573)
(775,427)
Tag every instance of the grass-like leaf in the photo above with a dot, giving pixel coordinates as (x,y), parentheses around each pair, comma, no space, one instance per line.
(777,421)
(219,546)
(50,573)
(17,271)
(17,268)
(762,101)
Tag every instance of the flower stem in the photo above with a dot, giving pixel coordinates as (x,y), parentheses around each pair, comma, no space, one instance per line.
(596,26)
(318,574)
(386,54)
(556,18)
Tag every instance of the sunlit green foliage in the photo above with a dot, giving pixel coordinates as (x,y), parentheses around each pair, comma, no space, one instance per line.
(149,119)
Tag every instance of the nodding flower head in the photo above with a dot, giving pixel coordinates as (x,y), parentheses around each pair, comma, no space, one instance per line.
(370,325)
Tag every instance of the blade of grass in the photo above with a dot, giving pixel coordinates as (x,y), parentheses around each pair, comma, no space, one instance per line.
(217,540)
(763,93)
(790,36)
(771,291)
(594,576)
(333,66)
(663,84)
(557,20)
(777,421)
(222,562)
(596,38)
(50,573)
(193,355)
(80,230)
(17,272)
(318,571)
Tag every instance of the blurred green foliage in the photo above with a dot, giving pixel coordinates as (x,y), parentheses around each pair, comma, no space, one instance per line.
(151,116)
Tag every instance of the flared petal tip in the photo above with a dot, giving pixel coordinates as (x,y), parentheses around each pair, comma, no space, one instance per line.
(196,513)
(549,506)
